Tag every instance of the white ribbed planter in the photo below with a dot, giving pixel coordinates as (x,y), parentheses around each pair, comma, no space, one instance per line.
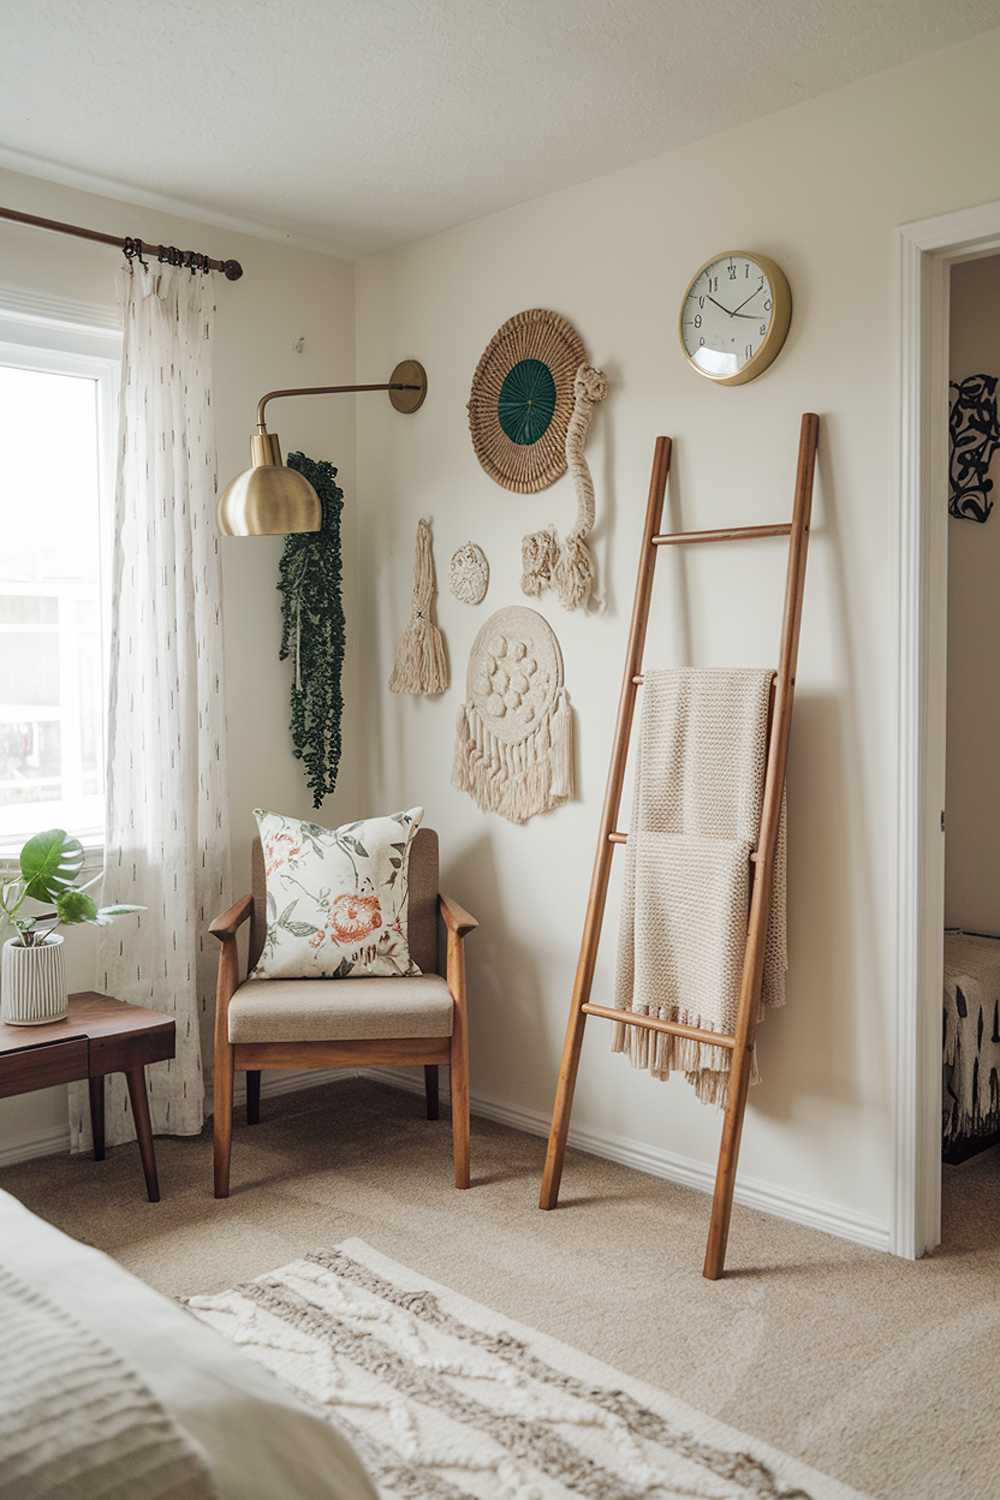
(33,983)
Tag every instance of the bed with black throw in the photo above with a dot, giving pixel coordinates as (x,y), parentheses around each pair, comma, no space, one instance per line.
(971,1093)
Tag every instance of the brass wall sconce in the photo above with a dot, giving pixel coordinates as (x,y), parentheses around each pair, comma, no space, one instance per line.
(269,499)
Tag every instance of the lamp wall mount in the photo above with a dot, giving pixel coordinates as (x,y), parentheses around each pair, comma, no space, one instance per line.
(269,499)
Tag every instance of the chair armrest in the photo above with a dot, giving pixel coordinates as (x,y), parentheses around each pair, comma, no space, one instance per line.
(455,917)
(226,925)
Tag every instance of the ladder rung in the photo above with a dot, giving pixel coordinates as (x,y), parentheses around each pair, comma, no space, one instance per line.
(622,838)
(726,534)
(640,678)
(653,1023)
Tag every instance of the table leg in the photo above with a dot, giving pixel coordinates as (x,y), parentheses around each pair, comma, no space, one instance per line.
(136,1078)
(97,1114)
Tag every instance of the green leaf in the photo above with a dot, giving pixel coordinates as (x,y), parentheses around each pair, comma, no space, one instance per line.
(119,909)
(353,843)
(50,863)
(75,906)
(283,919)
(300,929)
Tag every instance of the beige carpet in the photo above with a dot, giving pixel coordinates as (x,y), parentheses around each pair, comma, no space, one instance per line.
(883,1373)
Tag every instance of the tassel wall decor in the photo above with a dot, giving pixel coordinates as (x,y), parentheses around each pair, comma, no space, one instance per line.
(568,567)
(421,666)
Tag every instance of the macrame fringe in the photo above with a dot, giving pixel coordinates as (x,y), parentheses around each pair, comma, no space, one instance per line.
(421,665)
(520,780)
(568,567)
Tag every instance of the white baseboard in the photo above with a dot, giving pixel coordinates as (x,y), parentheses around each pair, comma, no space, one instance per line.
(49,1143)
(670,1165)
(53,1142)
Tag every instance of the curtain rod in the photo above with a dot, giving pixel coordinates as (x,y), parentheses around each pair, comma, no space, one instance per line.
(133,247)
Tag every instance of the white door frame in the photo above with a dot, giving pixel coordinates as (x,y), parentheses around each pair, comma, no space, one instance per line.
(926,251)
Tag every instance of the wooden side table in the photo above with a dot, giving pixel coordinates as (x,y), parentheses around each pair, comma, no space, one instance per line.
(99,1036)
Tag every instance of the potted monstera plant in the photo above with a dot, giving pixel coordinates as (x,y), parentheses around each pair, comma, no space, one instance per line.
(33,972)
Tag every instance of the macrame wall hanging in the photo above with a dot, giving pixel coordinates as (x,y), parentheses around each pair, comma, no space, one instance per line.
(568,567)
(469,574)
(522,399)
(312,631)
(421,666)
(974,430)
(514,739)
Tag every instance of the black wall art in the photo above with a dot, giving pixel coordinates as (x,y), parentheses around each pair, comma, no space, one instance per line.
(974,428)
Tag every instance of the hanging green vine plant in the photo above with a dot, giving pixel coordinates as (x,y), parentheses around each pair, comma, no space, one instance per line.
(312,631)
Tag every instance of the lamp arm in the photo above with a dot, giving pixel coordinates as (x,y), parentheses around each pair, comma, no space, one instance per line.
(328,390)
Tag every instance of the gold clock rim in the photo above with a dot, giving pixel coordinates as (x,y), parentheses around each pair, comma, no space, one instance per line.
(776,334)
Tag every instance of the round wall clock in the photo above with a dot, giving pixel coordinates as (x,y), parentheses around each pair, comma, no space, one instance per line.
(522,399)
(735,316)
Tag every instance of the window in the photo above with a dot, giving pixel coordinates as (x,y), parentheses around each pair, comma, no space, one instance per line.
(56,415)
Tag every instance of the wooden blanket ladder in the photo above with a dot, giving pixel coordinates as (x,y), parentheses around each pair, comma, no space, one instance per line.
(741,1043)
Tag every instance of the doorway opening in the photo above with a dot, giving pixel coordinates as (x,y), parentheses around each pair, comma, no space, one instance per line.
(944,677)
(970,1084)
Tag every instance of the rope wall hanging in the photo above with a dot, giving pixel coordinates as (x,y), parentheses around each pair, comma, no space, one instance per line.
(421,665)
(522,399)
(568,567)
(514,739)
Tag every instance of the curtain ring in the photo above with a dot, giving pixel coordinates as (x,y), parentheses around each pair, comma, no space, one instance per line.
(132,250)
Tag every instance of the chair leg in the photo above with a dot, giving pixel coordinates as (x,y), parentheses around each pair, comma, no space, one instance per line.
(460,1103)
(222,1119)
(431,1091)
(253,1096)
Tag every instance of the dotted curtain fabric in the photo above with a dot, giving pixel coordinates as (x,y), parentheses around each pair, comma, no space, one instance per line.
(167,834)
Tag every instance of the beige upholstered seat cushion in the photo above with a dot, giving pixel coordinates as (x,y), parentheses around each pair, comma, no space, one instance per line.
(340,1010)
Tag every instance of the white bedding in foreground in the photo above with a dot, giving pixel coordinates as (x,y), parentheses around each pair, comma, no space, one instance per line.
(257,1441)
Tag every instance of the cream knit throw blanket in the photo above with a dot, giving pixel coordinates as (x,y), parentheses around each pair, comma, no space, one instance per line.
(699,785)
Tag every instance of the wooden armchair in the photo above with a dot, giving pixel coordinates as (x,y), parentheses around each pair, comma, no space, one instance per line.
(346,1023)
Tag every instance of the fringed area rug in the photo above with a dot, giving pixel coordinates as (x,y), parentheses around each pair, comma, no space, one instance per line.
(443,1398)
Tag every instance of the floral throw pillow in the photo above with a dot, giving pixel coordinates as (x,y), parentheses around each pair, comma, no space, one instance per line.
(336,897)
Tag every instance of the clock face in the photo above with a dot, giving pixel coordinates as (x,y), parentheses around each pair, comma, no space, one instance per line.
(731,311)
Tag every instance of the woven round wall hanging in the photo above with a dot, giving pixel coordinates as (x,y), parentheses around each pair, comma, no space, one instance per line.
(522,400)
(514,738)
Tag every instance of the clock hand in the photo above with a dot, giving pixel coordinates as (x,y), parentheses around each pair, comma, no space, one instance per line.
(745,301)
(718,304)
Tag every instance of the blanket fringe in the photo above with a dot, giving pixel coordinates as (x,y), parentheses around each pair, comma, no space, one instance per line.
(706,1068)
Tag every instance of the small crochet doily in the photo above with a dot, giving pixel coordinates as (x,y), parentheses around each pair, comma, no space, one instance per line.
(522,400)
(515,672)
(469,574)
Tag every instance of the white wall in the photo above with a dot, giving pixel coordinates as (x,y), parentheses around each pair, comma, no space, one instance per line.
(821,188)
(972,841)
(285,294)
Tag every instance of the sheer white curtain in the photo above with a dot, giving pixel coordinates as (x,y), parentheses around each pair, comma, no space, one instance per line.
(167,823)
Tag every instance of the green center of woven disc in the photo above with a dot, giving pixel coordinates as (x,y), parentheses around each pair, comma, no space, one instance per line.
(527,401)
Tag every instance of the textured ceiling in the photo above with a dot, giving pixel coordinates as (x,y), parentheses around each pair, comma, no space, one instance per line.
(363,123)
